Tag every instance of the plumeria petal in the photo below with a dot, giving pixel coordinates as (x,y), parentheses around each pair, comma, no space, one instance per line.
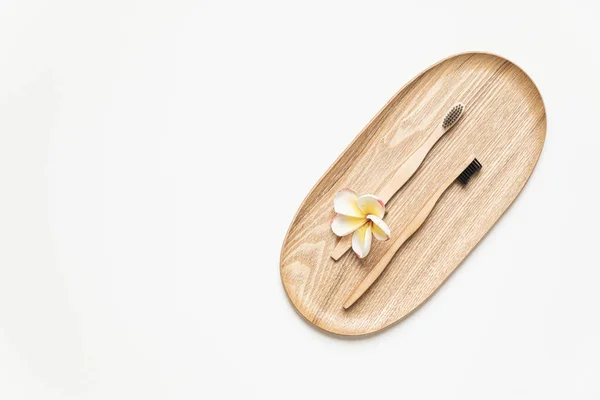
(345,203)
(370,204)
(361,240)
(380,229)
(343,225)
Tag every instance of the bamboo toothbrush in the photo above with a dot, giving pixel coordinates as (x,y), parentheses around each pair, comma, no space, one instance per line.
(407,169)
(462,174)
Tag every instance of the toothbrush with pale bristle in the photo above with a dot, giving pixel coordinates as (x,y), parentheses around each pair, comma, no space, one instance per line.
(462,174)
(407,169)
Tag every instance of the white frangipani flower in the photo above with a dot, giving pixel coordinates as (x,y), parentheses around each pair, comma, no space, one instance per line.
(361,215)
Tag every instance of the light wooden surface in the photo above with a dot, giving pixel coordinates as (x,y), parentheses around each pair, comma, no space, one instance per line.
(504,124)
(405,171)
(406,233)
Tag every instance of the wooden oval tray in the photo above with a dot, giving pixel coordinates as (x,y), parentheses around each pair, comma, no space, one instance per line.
(504,125)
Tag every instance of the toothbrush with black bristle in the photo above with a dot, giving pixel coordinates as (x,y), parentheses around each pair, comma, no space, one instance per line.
(407,169)
(462,174)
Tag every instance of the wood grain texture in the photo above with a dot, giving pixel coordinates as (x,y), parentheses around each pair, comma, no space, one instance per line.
(407,231)
(405,171)
(504,125)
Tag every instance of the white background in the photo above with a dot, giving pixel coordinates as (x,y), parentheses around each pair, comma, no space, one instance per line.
(153,154)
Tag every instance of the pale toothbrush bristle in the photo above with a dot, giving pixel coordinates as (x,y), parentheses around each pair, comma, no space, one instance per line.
(471,170)
(453,115)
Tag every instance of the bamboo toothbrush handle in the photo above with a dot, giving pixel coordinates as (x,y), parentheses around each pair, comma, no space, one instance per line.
(410,166)
(402,175)
(396,244)
(411,228)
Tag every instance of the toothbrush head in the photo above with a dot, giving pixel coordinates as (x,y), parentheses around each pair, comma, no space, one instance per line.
(453,115)
(471,170)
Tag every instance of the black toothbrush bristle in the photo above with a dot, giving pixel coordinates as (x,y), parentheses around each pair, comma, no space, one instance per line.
(471,170)
(452,116)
